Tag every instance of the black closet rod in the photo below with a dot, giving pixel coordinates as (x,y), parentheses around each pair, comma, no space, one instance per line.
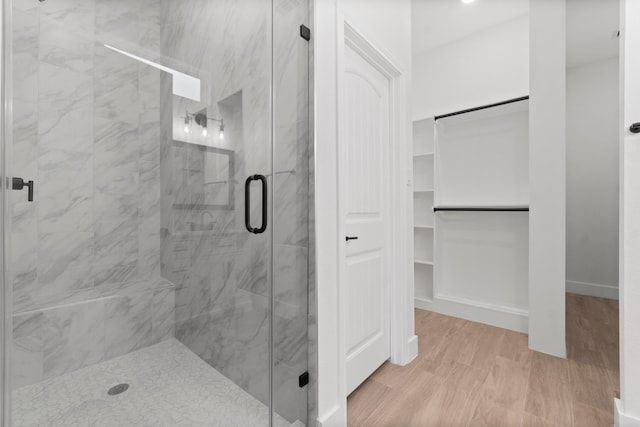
(481,209)
(510,101)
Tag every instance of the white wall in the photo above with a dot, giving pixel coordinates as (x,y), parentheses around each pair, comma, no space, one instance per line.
(593,178)
(547,176)
(387,25)
(486,67)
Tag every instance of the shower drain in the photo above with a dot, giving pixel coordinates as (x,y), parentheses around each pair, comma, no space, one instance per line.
(117,389)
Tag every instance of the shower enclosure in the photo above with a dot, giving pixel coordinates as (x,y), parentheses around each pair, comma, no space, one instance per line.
(156,156)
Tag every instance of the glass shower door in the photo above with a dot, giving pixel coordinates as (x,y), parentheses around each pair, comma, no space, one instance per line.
(141,271)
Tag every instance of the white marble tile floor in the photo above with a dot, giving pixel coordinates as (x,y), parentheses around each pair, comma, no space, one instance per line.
(168,386)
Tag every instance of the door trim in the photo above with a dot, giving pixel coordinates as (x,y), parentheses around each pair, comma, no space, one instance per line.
(403,342)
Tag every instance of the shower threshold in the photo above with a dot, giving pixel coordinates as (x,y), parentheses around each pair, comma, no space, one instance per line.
(168,386)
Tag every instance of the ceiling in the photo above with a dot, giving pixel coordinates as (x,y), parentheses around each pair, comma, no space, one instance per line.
(591,24)
(438,22)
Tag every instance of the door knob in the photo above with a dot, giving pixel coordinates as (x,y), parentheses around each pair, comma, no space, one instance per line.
(635,128)
(19,184)
(351,238)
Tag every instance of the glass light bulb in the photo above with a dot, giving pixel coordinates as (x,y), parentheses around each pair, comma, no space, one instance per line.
(221,134)
(204,132)
(187,129)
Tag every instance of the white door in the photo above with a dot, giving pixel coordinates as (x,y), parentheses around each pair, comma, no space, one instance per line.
(364,200)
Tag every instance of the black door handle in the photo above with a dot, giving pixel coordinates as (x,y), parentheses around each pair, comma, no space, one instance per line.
(351,238)
(247,204)
(635,128)
(19,184)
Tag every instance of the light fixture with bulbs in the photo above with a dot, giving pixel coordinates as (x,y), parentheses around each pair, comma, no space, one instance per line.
(201,119)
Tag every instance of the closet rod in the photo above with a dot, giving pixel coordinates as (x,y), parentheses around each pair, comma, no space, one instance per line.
(481,209)
(456,113)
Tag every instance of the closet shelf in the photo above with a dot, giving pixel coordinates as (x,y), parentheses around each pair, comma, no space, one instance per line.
(423,190)
(423,155)
(423,226)
(417,261)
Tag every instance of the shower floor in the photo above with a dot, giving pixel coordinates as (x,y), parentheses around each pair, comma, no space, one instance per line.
(168,386)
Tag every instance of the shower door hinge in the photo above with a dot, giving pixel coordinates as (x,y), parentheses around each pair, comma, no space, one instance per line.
(305,32)
(303,380)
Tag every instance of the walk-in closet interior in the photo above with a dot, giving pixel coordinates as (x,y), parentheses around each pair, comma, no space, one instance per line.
(476,168)
(157,219)
(471,197)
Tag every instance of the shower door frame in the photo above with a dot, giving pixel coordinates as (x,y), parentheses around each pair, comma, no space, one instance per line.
(5,218)
(5,116)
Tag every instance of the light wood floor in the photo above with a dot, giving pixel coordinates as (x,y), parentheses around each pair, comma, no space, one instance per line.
(470,374)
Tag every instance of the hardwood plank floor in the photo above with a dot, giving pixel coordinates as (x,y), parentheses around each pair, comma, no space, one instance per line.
(472,375)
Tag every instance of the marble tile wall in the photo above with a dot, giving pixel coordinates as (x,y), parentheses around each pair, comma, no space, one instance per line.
(86,128)
(104,261)
(223,294)
(222,303)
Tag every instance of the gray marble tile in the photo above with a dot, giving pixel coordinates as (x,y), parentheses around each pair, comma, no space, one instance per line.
(25,6)
(27,350)
(25,54)
(193,298)
(149,136)
(163,315)
(291,277)
(223,283)
(117,21)
(64,188)
(66,46)
(116,240)
(113,69)
(117,103)
(149,29)
(290,338)
(73,337)
(291,204)
(290,402)
(116,255)
(149,248)
(65,104)
(116,157)
(70,13)
(24,159)
(24,255)
(149,88)
(64,265)
(252,265)
(128,324)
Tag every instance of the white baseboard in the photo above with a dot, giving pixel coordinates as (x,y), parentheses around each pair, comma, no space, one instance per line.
(335,417)
(501,316)
(623,420)
(592,289)
(423,304)
(412,349)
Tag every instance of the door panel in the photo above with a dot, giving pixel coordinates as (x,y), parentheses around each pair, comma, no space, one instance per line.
(364,197)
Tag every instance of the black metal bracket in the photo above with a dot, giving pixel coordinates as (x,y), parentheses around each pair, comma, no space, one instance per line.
(19,184)
(305,32)
(635,128)
(303,379)
(351,238)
